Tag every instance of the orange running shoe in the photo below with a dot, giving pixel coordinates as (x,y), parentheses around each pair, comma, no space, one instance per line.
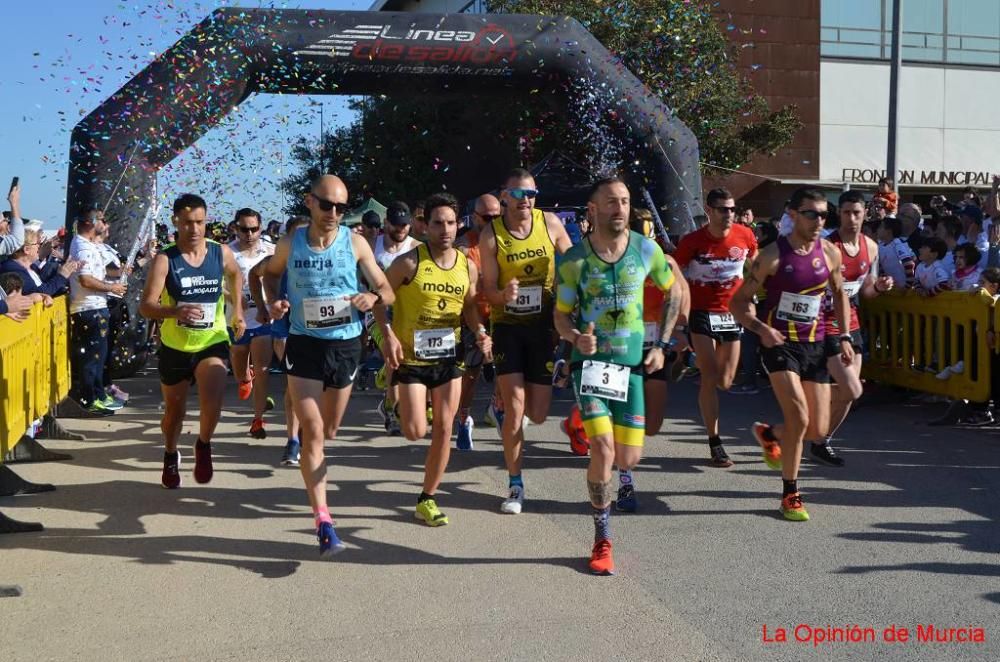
(772,448)
(601,562)
(246,388)
(792,508)
(572,427)
(257,430)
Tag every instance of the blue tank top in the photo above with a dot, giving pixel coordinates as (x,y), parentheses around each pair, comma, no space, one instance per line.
(318,282)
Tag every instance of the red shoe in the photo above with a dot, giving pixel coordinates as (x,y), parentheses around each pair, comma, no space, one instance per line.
(257,430)
(246,388)
(772,448)
(203,470)
(601,562)
(578,442)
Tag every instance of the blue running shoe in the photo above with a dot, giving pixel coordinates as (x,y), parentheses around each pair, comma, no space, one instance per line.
(329,543)
(626,503)
(463,438)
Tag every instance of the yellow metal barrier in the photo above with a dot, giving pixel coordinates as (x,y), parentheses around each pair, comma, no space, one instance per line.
(910,335)
(34,368)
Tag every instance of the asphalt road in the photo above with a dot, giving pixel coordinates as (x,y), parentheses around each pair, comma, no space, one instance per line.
(904,535)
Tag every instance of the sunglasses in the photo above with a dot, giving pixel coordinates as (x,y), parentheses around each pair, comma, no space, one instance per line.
(488,217)
(326,205)
(522,193)
(731,210)
(248,230)
(813,214)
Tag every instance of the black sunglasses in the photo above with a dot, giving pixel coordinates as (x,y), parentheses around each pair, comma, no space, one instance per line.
(248,230)
(731,210)
(813,214)
(488,217)
(326,205)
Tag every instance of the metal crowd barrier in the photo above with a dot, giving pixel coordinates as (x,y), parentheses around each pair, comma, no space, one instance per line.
(911,338)
(34,369)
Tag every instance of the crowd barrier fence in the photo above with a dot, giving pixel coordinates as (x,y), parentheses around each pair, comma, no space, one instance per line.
(911,338)
(34,369)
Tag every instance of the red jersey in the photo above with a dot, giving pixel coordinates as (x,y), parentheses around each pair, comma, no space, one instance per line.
(714,265)
(854,270)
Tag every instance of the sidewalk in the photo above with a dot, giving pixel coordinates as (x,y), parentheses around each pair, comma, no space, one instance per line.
(905,534)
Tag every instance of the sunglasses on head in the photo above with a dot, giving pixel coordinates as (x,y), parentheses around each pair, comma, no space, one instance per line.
(522,193)
(242,228)
(812,214)
(326,205)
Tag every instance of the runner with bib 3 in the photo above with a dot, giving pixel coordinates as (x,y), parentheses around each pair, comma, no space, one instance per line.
(713,259)
(599,310)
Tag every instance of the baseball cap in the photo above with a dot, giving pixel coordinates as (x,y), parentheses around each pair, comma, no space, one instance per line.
(398,213)
(371,219)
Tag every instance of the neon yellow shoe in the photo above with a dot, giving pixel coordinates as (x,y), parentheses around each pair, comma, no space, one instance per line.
(793,509)
(380,381)
(430,415)
(428,512)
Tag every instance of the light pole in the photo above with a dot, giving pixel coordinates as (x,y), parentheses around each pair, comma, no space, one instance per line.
(322,135)
(894,71)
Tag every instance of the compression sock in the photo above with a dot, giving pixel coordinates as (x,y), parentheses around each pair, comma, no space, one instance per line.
(602,523)
(789,487)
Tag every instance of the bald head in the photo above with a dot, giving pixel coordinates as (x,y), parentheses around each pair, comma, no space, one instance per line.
(327,201)
(487,208)
(326,185)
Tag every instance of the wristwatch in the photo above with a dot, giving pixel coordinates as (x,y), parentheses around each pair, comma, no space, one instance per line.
(660,344)
(847,337)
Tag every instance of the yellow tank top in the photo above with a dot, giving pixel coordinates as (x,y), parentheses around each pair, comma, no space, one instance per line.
(532,261)
(427,313)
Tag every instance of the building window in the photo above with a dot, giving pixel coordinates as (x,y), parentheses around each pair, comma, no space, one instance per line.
(945,31)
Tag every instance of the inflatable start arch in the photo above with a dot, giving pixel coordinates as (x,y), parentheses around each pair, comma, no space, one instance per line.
(117,149)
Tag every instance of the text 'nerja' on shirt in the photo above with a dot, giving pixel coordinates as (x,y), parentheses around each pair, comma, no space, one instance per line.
(200,286)
(532,261)
(320,284)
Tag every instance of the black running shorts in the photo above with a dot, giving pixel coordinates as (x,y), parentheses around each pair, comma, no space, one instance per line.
(333,362)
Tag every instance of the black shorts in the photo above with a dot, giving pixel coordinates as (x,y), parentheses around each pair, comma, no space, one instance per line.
(473,357)
(333,362)
(525,349)
(698,322)
(832,344)
(805,359)
(176,366)
(430,376)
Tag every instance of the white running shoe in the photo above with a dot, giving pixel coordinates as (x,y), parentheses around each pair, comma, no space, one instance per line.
(512,504)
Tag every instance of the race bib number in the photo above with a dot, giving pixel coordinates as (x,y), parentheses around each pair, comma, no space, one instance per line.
(651,333)
(801,308)
(528,301)
(722,322)
(434,343)
(326,312)
(852,288)
(207,316)
(605,380)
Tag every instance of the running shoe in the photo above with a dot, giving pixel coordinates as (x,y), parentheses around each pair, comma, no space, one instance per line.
(269,404)
(430,415)
(112,403)
(824,453)
(463,438)
(771,447)
(429,513)
(720,458)
(513,503)
(601,561)
(578,442)
(203,470)
(171,477)
(117,393)
(560,374)
(978,419)
(329,544)
(97,408)
(291,455)
(792,508)
(392,423)
(627,502)
(382,410)
(257,430)
(245,389)
(748,388)
(494,416)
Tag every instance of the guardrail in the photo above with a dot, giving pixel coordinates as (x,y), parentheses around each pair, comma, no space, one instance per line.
(911,338)
(34,369)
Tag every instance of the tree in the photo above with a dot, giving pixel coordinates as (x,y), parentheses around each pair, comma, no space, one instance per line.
(407,147)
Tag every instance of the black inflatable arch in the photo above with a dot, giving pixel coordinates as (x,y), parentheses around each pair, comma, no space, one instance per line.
(117,149)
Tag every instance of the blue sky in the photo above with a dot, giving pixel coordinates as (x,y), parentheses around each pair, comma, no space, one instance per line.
(62,58)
